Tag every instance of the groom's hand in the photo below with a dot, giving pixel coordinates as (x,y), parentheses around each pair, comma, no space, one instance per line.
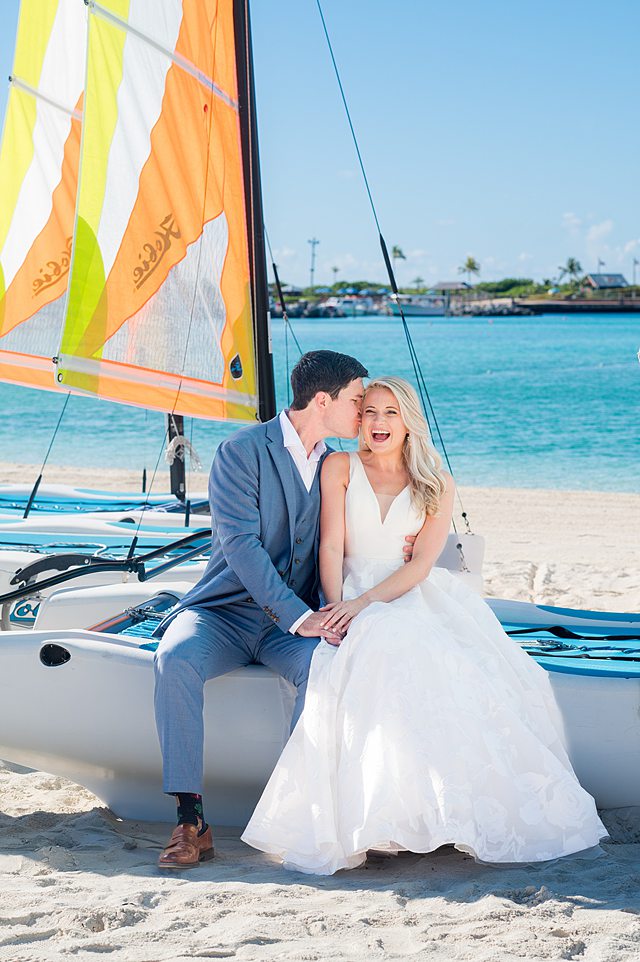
(311,627)
(407,550)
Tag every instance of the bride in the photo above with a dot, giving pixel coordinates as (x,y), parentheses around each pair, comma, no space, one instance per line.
(428,725)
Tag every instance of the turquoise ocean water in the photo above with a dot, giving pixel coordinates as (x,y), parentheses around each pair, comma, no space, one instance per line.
(522,402)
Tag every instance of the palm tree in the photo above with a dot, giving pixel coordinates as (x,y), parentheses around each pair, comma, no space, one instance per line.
(397,254)
(335,274)
(418,282)
(469,267)
(572,269)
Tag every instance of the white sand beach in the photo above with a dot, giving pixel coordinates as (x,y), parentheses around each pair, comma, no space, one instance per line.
(77,883)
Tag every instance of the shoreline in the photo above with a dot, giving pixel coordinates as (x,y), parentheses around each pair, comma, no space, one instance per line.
(115,479)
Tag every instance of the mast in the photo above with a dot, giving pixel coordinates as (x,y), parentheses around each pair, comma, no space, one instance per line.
(255,223)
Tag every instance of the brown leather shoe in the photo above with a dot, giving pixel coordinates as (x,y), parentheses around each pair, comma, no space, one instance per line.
(186,848)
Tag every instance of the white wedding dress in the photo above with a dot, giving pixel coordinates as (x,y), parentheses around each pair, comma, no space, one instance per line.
(428,726)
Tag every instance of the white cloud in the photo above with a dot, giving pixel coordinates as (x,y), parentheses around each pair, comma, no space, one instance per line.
(596,246)
(284,254)
(571,222)
(491,265)
(523,257)
(597,232)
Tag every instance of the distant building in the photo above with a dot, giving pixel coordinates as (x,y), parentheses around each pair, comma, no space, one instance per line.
(448,287)
(603,282)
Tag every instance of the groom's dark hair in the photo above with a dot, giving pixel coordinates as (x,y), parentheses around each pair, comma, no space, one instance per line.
(323,371)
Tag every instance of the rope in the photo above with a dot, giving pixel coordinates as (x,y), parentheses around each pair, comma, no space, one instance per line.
(173,451)
(421,383)
(283,306)
(34,490)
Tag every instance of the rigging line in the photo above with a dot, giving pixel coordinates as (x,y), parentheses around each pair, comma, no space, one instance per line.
(414,358)
(285,316)
(346,107)
(286,363)
(34,490)
(287,326)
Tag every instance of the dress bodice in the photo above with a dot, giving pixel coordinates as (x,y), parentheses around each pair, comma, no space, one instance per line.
(367,536)
(373,547)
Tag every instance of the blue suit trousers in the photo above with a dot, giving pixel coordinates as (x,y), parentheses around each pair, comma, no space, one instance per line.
(204,643)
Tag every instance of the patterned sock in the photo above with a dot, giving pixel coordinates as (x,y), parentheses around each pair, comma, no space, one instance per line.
(190,810)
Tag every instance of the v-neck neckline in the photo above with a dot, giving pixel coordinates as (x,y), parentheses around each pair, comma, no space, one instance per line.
(375,496)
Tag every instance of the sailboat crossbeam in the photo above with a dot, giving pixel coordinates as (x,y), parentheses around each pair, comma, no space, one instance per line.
(153,379)
(32,361)
(175,57)
(92,564)
(34,92)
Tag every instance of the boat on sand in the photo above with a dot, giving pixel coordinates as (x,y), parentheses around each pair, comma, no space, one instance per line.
(95,723)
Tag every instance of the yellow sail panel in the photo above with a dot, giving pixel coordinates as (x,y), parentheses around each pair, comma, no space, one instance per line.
(159,312)
(38,182)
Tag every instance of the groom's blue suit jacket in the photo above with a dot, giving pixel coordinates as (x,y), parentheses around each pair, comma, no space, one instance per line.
(252,494)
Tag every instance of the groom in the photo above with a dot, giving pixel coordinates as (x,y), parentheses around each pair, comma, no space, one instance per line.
(257,600)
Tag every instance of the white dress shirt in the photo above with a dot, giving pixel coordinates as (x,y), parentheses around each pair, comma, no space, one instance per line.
(307,467)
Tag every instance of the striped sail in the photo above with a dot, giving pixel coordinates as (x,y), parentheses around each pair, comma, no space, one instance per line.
(159,310)
(38,182)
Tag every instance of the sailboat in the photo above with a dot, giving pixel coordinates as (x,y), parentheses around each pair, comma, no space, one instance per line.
(168,226)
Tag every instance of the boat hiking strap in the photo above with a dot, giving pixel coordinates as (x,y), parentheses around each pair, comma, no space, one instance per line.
(560,631)
(423,391)
(563,650)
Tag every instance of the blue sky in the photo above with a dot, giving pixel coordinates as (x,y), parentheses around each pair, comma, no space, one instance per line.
(503,130)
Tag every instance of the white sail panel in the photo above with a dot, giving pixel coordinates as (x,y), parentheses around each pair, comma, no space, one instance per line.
(60,87)
(38,183)
(159,288)
(153,340)
(144,69)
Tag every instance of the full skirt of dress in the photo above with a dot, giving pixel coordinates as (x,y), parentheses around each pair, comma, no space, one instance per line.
(428,726)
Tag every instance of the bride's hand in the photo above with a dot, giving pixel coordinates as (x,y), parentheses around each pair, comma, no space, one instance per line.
(340,614)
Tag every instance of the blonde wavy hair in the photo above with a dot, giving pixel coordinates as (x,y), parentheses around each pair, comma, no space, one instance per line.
(427,483)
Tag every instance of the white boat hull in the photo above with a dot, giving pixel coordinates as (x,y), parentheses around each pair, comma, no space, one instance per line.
(91,720)
(602,728)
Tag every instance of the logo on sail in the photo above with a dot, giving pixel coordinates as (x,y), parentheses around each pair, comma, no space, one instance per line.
(53,271)
(153,251)
(235,367)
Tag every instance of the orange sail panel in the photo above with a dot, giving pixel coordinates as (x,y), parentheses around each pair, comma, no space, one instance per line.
(38,182)
(159,311)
